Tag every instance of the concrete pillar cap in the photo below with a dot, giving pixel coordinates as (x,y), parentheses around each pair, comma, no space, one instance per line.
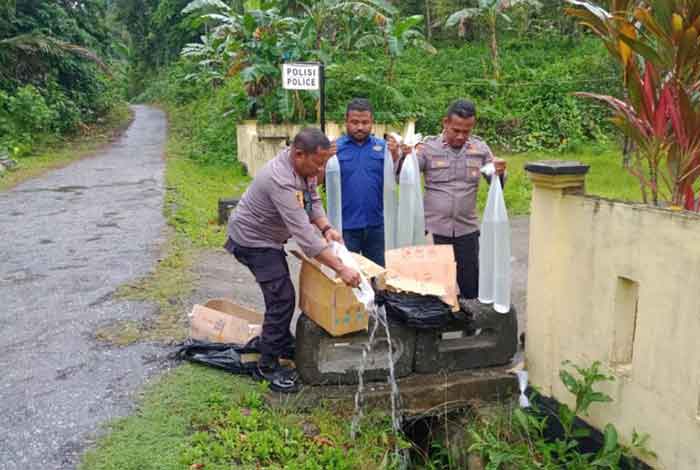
(557,167)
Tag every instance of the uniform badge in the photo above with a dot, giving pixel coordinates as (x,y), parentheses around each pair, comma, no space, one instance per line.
(377,148)
(300,198)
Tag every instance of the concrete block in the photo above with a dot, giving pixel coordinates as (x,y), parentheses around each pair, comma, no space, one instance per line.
(421,394)
(481,338)
(323,359)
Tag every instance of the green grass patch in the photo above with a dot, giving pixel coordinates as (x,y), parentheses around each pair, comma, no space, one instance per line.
(200,418)
(606,177)
(194,190)
(195,182)
(57,153)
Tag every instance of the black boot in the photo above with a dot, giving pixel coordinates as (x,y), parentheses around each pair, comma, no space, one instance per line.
(280,378)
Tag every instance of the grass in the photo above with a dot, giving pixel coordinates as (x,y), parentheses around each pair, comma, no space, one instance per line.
(194,190)
(200,418)
(58,153)
(606,177)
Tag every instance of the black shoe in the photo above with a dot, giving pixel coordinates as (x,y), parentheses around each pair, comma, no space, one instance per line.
(280,378)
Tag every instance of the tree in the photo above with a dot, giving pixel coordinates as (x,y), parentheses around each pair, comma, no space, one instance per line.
(55,59)
(490,11)
(324,15)
(395,36)
(657,45)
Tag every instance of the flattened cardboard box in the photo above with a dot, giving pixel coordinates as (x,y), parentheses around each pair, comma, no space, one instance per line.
(327,301)
(429,266)
(222,321)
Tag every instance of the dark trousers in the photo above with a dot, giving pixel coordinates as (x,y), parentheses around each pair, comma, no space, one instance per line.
(269,266)
(369,242)
(467,256)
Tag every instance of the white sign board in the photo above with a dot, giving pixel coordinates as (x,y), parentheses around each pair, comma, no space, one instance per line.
(301,76)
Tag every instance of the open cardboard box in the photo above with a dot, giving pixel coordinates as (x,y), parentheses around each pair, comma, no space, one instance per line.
(328,301)
(222,321)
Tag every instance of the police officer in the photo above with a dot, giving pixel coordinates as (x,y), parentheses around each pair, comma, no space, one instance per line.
(451,164)
(282,202)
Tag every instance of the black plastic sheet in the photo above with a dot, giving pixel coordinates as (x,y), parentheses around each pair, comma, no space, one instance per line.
(415,310)
(229,357)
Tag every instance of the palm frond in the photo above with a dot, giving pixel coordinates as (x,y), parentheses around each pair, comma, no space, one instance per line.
(200,4)
(39,44)
(460,15)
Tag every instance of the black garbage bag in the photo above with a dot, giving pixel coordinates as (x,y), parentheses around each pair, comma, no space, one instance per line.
(230,357)
(415,310)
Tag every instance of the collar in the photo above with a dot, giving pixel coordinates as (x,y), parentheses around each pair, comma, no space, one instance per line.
(470,141)
(346,139)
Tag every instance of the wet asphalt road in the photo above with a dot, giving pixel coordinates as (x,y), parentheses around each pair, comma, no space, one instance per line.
(67,241)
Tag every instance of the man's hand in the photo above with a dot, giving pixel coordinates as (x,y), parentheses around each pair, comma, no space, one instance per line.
(500,165)
(394,148)
(332,150)
(332,235)
(349,276)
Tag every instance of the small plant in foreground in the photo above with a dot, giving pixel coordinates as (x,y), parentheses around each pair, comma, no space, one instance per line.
(518,438)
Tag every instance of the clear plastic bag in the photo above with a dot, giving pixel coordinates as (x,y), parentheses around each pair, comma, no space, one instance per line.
(364,293)
(495,248)
(411,216)
(334,199)
(390,202)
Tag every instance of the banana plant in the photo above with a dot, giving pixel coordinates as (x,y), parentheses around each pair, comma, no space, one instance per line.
(490,11)
(324,15)
(395,36)
(657,45)
(251,43)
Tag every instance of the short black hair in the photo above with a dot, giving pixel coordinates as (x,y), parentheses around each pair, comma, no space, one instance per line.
(462,108)
(310,139)
(359,104)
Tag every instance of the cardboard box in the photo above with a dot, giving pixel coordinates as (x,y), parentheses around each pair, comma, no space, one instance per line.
(222,321)
(327,300)
(429,266)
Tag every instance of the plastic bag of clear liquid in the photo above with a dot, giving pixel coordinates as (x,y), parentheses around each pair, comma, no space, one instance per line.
(364,293)
(334,199)
(494,248)
(390,202)
(411,218)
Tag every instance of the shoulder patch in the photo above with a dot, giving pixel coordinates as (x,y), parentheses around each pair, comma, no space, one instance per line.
(377,148)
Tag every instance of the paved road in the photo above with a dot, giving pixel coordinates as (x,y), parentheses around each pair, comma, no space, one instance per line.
(67,241)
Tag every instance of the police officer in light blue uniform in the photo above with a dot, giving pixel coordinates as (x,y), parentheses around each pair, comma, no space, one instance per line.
(361,158)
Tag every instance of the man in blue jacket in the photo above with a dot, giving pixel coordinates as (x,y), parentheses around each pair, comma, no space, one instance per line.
(361,158)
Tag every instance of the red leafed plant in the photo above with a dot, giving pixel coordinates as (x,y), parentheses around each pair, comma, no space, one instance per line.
(657,44)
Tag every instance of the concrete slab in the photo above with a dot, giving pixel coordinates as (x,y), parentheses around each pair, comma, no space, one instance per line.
(421,394)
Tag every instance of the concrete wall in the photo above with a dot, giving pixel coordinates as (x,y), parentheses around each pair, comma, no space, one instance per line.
(259,143)
(618,283)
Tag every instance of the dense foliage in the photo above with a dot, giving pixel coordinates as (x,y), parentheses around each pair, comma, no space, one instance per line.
(657,45)
(56,69)
(530,108)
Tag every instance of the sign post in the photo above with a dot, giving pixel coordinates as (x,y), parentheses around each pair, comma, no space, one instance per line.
(307,76)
